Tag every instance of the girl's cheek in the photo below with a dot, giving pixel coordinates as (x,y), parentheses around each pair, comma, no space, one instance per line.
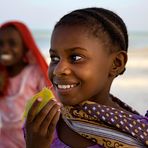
(50,72)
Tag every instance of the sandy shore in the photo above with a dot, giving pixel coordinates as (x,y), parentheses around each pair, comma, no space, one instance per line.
(132,86)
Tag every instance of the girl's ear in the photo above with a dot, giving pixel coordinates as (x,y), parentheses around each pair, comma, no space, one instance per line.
(118,63)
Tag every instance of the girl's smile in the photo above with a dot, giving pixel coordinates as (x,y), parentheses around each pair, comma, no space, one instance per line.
(64,86)
(6,57)
(65,89)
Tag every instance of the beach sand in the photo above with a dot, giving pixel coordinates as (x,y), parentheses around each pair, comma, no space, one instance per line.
(132,86)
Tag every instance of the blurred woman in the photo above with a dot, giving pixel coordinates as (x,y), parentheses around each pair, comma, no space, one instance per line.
(23,73)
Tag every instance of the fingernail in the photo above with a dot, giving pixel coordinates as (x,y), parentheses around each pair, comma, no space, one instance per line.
(54,100)
(59,103)
(39,99)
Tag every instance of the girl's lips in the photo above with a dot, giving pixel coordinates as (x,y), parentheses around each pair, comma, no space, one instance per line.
(65,88)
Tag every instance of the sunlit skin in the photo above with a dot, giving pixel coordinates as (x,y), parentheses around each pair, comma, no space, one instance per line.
(79,59)
(81,69)
(11,50)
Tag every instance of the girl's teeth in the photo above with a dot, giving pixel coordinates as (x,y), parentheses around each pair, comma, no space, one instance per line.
(6,57)
(65,86)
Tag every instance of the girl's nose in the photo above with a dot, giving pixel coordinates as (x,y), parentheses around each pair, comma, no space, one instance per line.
(62,68)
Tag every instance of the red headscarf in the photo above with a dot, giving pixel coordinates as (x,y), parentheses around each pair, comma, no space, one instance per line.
(33,54)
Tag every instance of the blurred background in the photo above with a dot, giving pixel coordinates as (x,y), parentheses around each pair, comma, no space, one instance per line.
(41,15)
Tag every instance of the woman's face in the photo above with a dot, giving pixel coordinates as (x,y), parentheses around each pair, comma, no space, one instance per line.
(11,46)
(80,66)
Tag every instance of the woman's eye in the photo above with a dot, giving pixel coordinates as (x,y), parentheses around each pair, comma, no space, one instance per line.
(55,59)
(1,43)
(75,58)
(12,43)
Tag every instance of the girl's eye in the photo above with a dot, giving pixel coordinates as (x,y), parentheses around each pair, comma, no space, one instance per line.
(55,59)
(75,58)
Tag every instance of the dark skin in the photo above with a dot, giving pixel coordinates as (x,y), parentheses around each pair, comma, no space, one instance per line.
(81,69)
(71,138)
(40,127)
(11,45)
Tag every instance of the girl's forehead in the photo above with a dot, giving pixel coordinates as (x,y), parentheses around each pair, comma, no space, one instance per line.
(76,33)
(73,36)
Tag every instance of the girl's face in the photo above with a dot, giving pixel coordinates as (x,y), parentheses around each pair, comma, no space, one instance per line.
(80,66)
(11,46)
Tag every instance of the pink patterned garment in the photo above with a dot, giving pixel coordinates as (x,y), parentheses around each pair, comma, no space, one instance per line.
(21,88)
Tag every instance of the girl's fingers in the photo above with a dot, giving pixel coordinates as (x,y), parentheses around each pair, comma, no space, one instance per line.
(52,126)
(47,121)
(42,124)
(32,112)
(47,109)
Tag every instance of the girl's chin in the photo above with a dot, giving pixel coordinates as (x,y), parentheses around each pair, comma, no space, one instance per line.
(69,102)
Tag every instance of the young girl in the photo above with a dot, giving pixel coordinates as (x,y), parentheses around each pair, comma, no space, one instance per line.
(23,72)
(88,51)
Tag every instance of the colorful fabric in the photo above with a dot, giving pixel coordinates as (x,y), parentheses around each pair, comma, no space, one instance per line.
(21,88)
(108,126)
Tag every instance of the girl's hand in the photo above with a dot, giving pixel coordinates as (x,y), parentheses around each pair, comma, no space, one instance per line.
(40,128)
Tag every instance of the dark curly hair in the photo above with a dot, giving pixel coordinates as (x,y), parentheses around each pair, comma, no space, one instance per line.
(102,23)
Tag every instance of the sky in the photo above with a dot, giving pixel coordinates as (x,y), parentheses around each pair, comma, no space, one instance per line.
(43,14)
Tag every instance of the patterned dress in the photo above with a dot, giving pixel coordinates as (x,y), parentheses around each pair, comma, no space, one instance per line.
(21,88)
(106,126)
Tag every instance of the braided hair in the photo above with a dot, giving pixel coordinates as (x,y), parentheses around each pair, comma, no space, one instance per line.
(102,23)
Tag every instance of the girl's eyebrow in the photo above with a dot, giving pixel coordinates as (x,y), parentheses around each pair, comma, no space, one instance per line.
(69,49)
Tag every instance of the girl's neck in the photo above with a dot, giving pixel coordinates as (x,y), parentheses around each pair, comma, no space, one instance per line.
(106,100)
(16,69)
(110,101)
